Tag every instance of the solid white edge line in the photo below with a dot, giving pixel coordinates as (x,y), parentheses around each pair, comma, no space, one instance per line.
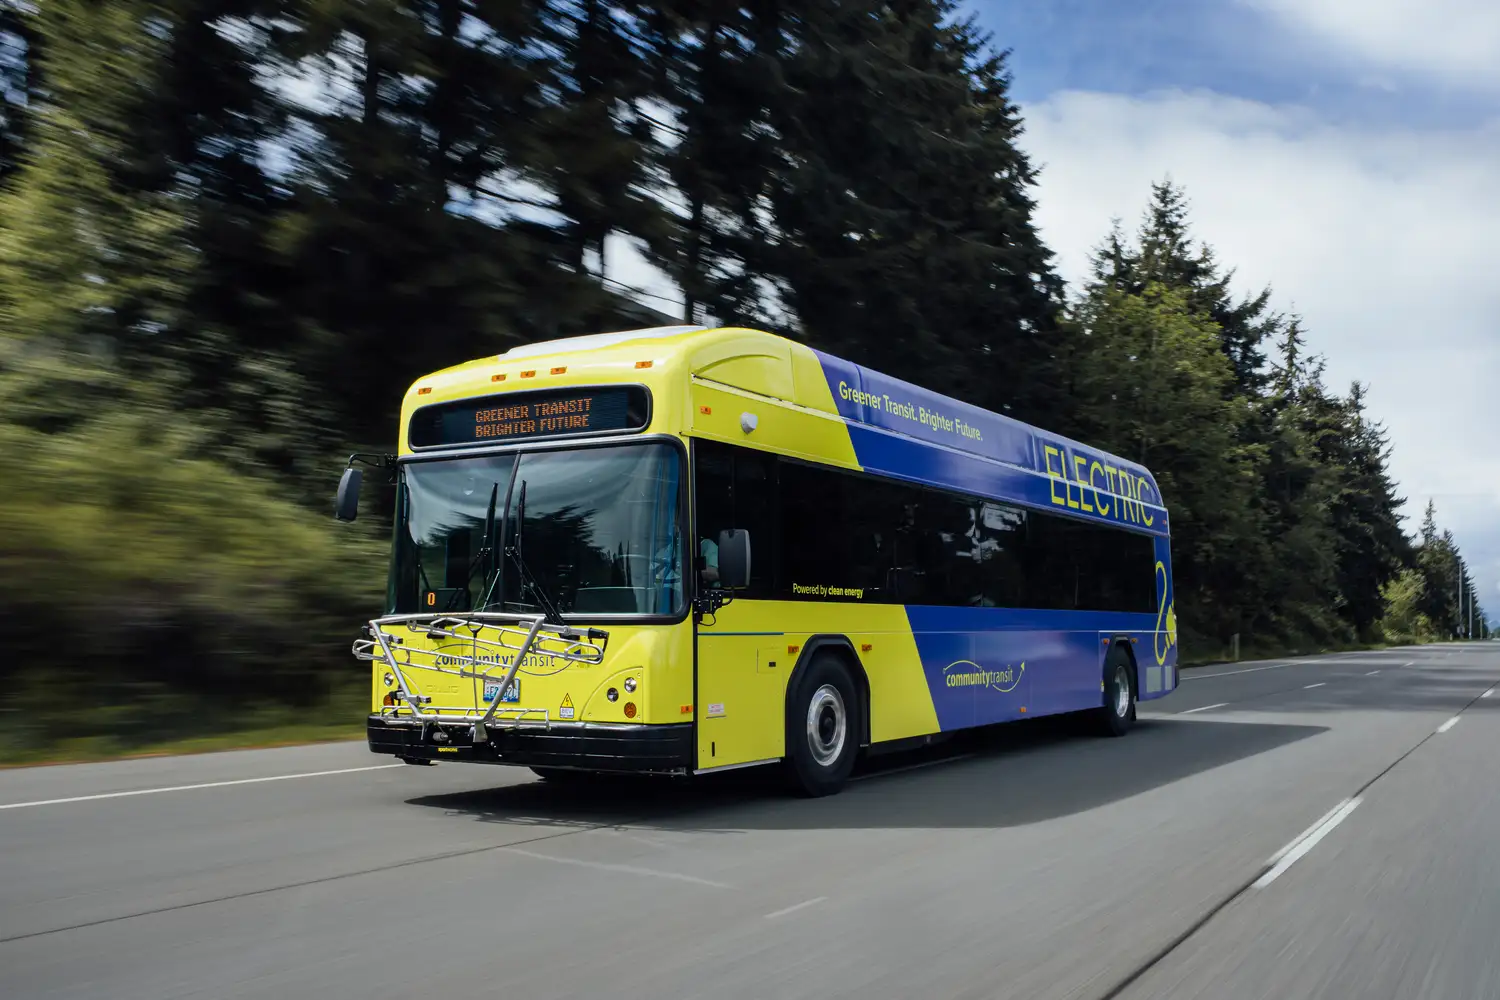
(1309,687)
(1448,725)
(1289,855)
(795,907)
(189,788)
(1205,708)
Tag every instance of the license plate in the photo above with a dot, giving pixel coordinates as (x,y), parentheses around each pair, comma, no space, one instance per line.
(512,693)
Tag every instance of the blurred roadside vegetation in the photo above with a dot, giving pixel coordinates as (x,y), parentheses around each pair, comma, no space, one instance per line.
(233,231)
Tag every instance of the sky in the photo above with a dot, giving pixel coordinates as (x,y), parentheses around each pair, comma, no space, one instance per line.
(1345,153)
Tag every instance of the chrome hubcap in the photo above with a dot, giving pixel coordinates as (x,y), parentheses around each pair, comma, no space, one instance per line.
(827,724)
(1122,694)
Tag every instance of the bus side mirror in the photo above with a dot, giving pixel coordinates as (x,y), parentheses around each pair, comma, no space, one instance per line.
(734,559)
(346,507)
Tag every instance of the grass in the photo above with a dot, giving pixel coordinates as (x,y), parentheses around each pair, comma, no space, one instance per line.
(101,748)
(46,739)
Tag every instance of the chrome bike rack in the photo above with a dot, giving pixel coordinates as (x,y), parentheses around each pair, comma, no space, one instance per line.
(495,640)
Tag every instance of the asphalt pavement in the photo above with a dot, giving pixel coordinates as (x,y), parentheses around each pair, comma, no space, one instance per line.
(1323,827)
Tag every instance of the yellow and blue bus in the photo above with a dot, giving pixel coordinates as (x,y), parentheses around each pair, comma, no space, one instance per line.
(682,550)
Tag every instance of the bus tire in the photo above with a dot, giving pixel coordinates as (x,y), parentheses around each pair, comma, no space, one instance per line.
(822,726)
(1118,711)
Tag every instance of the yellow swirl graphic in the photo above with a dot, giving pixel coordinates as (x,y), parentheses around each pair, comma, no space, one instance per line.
(1166,620)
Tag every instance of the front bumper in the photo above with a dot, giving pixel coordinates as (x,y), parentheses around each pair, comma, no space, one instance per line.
(634,749)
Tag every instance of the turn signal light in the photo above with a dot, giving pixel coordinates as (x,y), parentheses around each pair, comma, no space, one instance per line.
(630,710)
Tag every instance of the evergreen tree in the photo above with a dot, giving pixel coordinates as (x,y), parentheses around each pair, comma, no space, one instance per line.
(1168,254)
(1374,548)
(717,69)
(93,270)
(19,81)
(592,145)
(901,210)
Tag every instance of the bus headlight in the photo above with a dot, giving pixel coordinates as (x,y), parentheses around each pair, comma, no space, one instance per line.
(388,679)
(630,685)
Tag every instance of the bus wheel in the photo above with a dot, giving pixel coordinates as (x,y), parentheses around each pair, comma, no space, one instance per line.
(822,727)
(1118,710)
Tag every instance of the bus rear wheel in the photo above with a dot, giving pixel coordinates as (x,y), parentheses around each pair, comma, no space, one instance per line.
(1118,710)
(822,727)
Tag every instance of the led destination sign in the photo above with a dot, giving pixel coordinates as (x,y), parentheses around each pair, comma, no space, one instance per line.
(517,416)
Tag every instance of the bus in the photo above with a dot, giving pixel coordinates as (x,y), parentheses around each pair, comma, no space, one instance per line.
(681,550)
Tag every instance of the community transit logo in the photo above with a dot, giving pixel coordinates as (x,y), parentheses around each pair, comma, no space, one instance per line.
(968,674)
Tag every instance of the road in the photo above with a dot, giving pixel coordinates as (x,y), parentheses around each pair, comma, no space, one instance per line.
(1036,863)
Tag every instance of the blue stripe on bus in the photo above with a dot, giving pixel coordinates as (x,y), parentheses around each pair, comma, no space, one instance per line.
(895,426)
(984,665)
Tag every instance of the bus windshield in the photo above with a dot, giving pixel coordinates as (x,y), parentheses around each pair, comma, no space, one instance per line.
(601,534)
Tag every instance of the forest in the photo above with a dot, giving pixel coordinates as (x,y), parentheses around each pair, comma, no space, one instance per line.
(232,232)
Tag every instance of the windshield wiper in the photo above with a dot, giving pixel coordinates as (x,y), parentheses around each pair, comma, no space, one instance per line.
(495,577)
(486,550)
(528,579)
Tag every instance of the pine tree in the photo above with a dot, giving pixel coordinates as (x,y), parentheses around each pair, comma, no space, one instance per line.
(1374,548)
(1168,254)
(717,69)
(19,81)
(593,146)
(901,210)
(93,270)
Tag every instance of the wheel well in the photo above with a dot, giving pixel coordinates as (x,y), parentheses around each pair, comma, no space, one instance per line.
(840,646)
(1123,642)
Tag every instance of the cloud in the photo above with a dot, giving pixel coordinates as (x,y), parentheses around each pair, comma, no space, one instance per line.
(1383,240)
(1454,41)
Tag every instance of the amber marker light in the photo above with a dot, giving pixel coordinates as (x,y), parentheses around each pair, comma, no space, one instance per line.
(630,710)
(644,364)
(424,390)
(563,370)
(497,378)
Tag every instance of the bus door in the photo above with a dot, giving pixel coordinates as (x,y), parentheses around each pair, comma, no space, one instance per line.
(742,658)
